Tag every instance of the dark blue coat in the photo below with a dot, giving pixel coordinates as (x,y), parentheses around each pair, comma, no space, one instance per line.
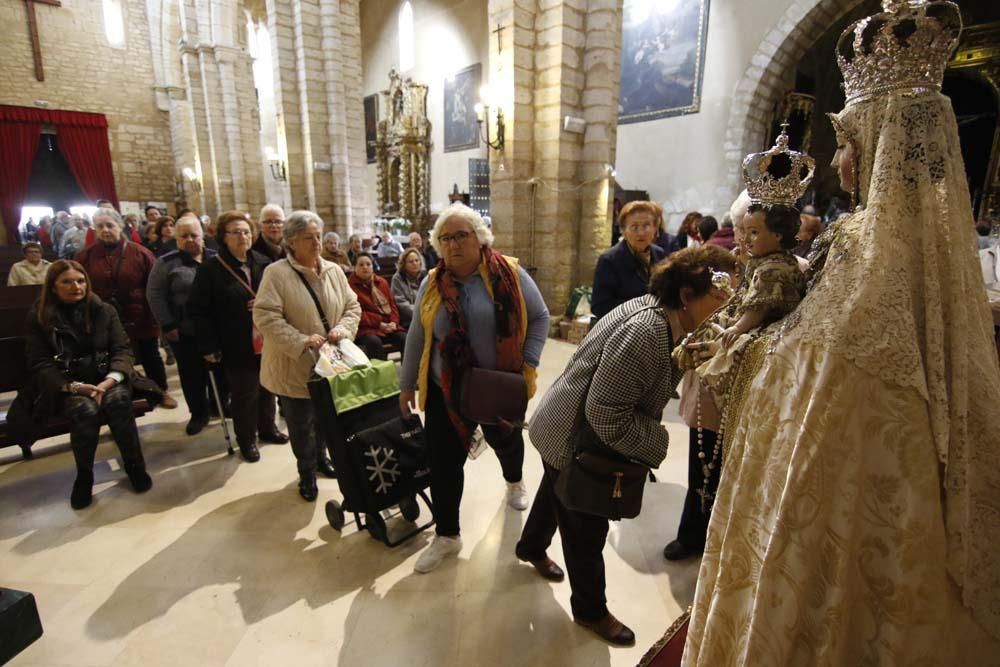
(620,276)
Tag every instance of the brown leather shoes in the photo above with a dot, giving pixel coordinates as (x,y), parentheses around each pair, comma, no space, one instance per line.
(548,569)
(611,630)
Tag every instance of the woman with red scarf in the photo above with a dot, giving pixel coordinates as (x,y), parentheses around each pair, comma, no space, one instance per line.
(379,315)
(478,309)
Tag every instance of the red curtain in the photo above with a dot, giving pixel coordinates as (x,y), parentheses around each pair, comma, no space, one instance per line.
(88,155)
(83,142)
(18,144)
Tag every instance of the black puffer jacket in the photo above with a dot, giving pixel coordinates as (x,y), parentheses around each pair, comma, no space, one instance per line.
(83,344)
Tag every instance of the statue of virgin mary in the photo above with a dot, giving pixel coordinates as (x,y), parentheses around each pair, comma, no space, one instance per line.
(858,516)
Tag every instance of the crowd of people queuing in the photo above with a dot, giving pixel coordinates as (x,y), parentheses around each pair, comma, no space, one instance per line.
(838,384)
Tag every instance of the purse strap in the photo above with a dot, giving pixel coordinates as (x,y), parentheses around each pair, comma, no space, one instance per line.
(312,293)
(239,279)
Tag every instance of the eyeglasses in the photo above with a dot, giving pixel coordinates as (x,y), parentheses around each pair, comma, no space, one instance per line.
(640,228)
(239,232)
(457,237)
(273,222)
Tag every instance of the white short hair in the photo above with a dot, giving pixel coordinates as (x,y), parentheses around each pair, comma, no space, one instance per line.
(296,224)
(332,235)
(463,212)
(110,213)
(738,210)
(271,208)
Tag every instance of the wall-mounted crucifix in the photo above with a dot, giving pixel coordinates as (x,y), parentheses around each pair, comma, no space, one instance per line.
(499,32)
(36,47)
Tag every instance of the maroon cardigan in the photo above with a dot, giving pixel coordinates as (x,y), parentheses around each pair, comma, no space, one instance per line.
(370,315)
(129,290)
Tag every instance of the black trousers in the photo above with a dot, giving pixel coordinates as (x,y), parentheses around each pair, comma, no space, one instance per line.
(372,344)
(448,456)
(252,405)
(303,431)
(583,538)
(193,371)
(84,415)
(694,522)
(147,352)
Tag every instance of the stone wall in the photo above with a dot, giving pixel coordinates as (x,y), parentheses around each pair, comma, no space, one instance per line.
(84,73)
(552,201)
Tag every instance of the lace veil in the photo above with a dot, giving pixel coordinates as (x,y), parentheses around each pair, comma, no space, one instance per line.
(901,296)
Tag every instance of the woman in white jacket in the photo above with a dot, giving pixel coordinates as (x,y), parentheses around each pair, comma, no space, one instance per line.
(303,302)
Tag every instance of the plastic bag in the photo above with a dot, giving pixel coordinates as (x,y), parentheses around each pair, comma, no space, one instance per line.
(579,303)
(330,361)
(353,355)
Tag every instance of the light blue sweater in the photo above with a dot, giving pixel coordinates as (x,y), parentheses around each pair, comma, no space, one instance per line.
(481,321)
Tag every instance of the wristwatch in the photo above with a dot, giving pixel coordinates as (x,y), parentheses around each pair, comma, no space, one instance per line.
(73,386)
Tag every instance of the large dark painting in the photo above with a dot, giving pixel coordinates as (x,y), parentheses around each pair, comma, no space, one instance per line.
(461,92)
(371,126)
(663,56)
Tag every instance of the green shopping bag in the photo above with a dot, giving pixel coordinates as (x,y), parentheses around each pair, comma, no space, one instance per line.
(362,386)
(579,303)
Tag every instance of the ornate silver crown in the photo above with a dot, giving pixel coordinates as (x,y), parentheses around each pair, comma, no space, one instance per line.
(778,176)
(907,46)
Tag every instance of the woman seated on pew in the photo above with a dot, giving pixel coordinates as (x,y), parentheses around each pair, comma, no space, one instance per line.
(379,315)
(80,367)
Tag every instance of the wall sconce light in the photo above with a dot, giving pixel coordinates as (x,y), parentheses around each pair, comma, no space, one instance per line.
(609,169)
(277,165)
(192,176)
(483,115)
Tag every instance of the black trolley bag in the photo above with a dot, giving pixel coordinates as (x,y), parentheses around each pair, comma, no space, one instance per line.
(380,456)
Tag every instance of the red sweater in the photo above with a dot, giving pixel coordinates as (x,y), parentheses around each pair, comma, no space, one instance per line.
(126,286)
(371,318)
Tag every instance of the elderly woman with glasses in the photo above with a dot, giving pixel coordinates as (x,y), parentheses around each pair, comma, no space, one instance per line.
(270,243)
(479,309)
(623,272)
(221,307)
(303,302)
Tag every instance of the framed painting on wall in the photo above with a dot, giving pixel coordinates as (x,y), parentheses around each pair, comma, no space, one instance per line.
(663,58)
(371,126)
(461,92)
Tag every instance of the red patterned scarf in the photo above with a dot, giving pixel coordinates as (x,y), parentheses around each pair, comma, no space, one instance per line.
(456,350)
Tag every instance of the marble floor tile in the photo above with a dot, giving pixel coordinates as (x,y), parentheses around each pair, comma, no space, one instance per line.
(222,563)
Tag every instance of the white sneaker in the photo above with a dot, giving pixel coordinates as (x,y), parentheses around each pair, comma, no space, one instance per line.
(440,548)
(517,495)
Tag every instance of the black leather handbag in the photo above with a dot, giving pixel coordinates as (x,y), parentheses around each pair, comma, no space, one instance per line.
(598,480)
(494,398)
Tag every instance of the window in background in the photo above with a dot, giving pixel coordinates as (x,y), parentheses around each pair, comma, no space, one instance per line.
(114,23)
(406,37)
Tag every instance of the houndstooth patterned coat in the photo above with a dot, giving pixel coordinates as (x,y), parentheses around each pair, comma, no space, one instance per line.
(623,376)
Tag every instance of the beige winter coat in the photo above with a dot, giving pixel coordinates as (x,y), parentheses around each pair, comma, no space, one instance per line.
(286,316)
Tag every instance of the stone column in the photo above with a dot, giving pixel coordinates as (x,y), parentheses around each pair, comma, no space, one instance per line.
(316,49)
(551,200)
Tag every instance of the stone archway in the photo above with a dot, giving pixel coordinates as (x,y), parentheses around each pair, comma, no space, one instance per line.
(762,84)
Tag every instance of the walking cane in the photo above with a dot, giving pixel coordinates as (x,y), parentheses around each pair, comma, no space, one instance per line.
(222,415)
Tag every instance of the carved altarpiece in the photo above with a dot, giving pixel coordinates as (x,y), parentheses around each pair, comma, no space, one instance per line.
(402,150)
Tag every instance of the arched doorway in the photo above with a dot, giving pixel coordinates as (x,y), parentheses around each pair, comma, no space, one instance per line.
(798,56)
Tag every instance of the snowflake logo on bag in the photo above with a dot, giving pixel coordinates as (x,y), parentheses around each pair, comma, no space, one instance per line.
(384,466)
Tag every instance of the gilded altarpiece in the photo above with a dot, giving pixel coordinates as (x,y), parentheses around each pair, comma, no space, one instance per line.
(402,150)
(978,56)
